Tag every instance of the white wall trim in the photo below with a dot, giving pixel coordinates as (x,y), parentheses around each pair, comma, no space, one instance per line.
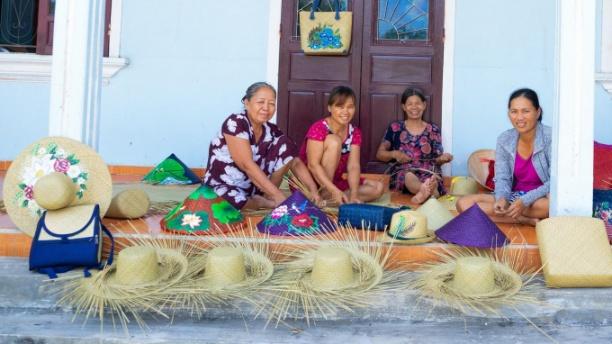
(448,80)
(37,68)
(604,77)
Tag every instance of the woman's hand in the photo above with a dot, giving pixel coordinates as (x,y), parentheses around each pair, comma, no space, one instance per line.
(339,197)
(444,158)
(315,198)
(500,207)
(516,209)
(278,198)
(400,156)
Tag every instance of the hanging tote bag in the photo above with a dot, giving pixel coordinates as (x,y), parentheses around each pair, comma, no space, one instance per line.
(325,33)
(69,238)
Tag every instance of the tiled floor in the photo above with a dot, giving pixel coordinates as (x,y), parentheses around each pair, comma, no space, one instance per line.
(523,238)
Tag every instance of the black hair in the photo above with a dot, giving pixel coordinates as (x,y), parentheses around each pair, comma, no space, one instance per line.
(531,95)
(251,90)
(410,91)
(340,94)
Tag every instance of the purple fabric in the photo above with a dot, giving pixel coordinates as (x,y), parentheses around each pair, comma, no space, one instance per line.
(472,228)
(296,216)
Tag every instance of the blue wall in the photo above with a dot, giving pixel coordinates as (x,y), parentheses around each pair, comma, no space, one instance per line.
(499,46)
(603,100)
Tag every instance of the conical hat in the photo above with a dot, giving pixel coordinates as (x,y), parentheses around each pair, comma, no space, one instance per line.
(478,166)
(296,216)
(202,212)
(436,213)
(462,185)
(171,171)
(86,169)
(472,228)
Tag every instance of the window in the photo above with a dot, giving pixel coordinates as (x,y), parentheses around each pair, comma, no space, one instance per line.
(605,70)
(26,39)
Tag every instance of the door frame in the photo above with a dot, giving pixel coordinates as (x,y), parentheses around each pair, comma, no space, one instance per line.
(273,64)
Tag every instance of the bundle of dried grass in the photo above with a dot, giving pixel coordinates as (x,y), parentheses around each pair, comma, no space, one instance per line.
(303,288)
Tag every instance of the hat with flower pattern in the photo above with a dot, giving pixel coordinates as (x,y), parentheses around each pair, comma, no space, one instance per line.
(171,171)
(296,216)
(79,162)
(202,212)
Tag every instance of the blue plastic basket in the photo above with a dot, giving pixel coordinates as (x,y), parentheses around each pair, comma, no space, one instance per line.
(366,216)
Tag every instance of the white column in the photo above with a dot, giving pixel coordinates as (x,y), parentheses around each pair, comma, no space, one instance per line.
(572,150)
(76,72)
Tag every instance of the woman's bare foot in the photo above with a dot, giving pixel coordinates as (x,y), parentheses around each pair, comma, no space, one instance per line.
(258,202)
(424,192)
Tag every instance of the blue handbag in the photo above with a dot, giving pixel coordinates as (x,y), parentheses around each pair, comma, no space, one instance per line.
(58,246)
(367,216)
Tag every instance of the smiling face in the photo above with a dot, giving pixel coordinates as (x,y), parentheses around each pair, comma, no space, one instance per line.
(342,114)
(414,107)
(261,106)
(523,114)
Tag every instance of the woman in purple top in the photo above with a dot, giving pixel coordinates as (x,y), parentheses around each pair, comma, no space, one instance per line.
(250,155)
(522,166)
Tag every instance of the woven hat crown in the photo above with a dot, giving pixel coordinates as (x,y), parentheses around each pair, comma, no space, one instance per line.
(332,269)
(408,224)
(473,276)
(225,266)
(54,191)
(137,265)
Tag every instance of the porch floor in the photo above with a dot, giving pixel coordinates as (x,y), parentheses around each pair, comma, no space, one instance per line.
(13,243)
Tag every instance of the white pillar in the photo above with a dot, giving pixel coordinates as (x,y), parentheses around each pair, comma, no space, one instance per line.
(572,153)
(76,72)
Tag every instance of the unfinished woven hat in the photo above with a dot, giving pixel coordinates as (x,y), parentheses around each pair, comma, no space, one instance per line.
(481,166)
(87,171)
(462,185)
(408,227)
(129,204)
(575,252)
(437,214)
(296,216)
(202,212)
(171,171)
(472,228)
(471,281)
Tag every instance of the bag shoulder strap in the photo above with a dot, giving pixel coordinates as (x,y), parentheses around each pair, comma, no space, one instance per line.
(317,3)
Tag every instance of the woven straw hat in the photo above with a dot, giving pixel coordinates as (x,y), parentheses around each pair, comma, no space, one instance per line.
(86,169)
(409,227)
(474,278)
(478,165)
(575,252)
(145,267)
(129,204)
(332,269)
(54,191)
(437,214)
(461,186)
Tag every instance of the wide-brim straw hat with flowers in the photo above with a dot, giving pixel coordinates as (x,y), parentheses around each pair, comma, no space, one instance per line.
(323,277)
(85,168)
(475,281)
(408,227)
(479,166)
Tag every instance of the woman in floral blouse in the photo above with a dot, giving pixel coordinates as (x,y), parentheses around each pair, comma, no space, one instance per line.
(416,147)
(249,156)
(331,148)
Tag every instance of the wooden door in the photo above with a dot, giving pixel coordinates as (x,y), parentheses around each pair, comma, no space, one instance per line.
(395,44)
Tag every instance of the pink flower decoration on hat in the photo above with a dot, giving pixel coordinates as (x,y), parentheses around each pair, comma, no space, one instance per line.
(61,165)
(28,192)
(302,220)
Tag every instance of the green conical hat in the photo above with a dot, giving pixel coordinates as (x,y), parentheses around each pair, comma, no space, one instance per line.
(202,212)
(171,171)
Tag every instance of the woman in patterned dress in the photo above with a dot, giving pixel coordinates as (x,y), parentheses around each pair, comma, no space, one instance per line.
(416,147)
(249,156)
(331,148)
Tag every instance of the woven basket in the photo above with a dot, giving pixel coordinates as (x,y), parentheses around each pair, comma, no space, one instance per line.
(367,216)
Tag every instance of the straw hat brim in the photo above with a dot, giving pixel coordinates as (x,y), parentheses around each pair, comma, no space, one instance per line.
(173,267)
(259,268)
(507,282)
(386,238)
(82,164)
(477,168)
